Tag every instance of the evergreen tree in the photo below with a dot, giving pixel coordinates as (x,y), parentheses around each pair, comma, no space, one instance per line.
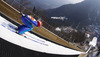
(34,10)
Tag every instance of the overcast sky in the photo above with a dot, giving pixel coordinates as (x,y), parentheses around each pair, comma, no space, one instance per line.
(62,2)
(74,1)
(56,3)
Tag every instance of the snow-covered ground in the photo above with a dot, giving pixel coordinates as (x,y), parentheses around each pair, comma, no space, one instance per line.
(32,41)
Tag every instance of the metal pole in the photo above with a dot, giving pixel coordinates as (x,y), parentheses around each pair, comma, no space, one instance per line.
(89,49)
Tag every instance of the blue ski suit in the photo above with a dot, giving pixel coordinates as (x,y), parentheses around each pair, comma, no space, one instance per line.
(28,21)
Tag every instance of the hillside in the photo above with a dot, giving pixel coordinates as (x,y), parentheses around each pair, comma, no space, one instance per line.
(85,13)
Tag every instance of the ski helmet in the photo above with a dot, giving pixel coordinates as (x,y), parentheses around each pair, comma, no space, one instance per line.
(40,23)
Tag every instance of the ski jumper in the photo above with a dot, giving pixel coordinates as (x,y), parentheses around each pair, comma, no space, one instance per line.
(28,21)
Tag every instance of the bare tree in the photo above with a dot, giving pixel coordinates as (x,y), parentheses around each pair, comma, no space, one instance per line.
(76,36)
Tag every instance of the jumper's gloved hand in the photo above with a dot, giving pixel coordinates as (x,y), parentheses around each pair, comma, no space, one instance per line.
(22,14)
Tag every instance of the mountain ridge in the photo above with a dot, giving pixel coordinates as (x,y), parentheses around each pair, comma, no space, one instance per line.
(78,13)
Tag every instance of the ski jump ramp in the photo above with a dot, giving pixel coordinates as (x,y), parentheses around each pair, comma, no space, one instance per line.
(32,42)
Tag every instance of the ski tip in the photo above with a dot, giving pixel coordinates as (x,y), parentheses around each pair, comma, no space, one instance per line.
(93,42)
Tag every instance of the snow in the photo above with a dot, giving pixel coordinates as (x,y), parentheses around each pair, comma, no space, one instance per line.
(34,42)
(60,18)
(58,29)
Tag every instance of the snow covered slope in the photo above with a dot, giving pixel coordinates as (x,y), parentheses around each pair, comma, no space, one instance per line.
(33,42)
